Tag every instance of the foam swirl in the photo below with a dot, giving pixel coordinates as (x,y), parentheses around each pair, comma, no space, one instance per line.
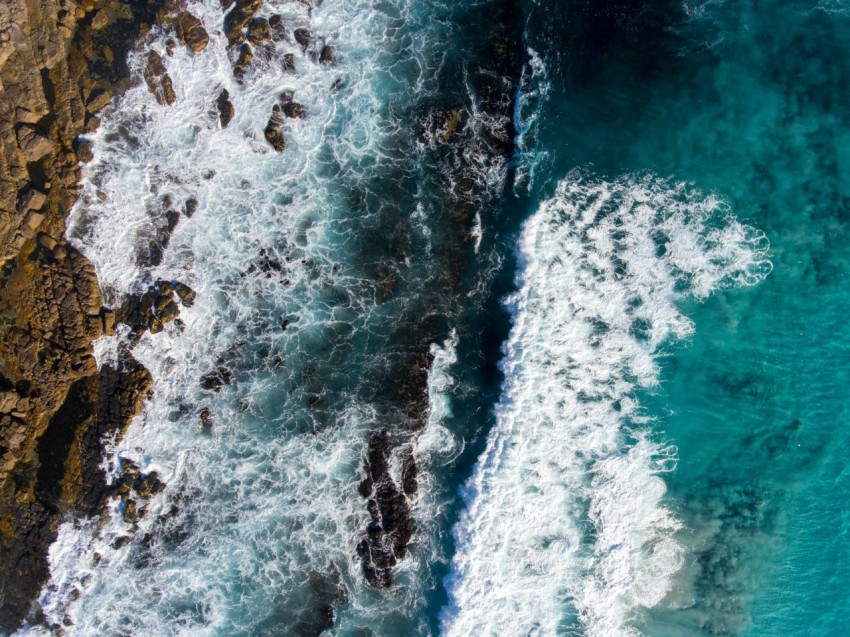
(566,526)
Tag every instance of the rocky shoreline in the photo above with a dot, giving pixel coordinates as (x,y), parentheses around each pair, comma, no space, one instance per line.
(61,62)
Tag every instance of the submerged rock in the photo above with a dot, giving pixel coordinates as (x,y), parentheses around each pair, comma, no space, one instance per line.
(277,28)
(274,130)
(327,55)
(303,37)
(216,379)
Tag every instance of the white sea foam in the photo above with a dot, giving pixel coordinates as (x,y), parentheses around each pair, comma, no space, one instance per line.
(566,528)
(532,95)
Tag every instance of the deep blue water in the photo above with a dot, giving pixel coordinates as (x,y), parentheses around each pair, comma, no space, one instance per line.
(633,424)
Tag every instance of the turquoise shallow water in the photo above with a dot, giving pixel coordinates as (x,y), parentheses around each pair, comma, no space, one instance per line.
(748,100)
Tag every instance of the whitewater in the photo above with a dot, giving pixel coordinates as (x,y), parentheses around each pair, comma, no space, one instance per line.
(566,528)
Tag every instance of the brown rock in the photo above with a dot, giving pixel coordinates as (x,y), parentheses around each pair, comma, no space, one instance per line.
(98,99)
(242,62)
(158,80)
(100,20)
(31,199)
(259,31)
(274,130)
(54,74)
(84,149)
(32,142)
(185,293)
(238,18)
(191,32)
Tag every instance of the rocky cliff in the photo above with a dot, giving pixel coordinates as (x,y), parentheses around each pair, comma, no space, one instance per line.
(61,61)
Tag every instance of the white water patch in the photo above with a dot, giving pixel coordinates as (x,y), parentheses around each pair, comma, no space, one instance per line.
(532,95)
(268,497)
(566,528)
(436,442)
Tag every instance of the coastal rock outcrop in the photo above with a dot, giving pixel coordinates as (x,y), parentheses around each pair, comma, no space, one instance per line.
(236,21)
(225,108)
(158,80)
(61,62)
(191,32)
(391,526)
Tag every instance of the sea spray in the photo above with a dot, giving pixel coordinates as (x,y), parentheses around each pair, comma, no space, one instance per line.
(566,526)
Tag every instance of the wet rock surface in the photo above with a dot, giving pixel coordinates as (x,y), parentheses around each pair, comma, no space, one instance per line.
(236,21)
(225,109)
(158,80)
(391,525)
(191,32)
(155,308)
(60,64)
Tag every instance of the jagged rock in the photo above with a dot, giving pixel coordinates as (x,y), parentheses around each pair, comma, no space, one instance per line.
(186,294)
(84,149)
(274,129)
(225,108)
(409,475)
(192,32)
(55,74)
(327,55)
(131,514)
(292,109)
(288,63)
(302,37)
(98,100)
(238,18)
(158,80)
(31,199)
(245,57)
(216,379)
(277,27)
(32,142)
(391,526)
(259,31)
(147,485)
(153,309)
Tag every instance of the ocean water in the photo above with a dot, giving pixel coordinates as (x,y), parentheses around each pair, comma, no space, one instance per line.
(583,261)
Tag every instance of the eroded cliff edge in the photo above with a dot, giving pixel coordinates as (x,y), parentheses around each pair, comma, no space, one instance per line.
(61,61)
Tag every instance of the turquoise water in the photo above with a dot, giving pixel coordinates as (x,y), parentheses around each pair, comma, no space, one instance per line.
(748,100)
(629,426)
